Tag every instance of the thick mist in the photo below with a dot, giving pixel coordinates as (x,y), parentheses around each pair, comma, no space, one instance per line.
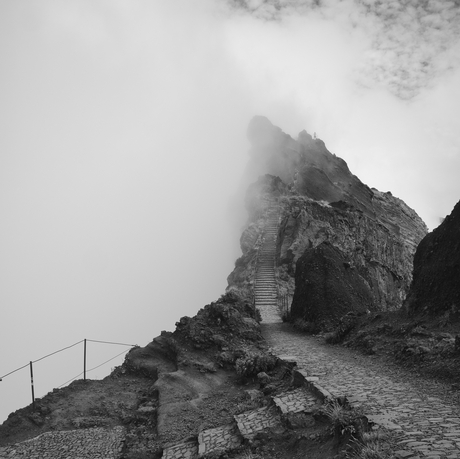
(123,154)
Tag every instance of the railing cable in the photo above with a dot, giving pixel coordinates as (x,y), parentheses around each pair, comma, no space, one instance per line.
(110,342)
(94,368)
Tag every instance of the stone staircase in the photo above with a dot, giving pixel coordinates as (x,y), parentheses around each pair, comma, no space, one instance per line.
(245,426)
(265,285)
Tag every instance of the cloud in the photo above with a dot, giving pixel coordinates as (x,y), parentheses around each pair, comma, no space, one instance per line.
(411,41)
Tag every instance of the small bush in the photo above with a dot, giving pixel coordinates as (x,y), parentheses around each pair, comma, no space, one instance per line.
(232,295)
(373,445)
(339,415)
(251,364)
(346,423)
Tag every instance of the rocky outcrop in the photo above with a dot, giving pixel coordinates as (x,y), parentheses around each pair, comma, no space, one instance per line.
(319,200)
(435,289)
(328,286)
(379,256)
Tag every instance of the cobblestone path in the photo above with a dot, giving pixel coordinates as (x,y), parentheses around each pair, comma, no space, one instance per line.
(424,426)
(96,443)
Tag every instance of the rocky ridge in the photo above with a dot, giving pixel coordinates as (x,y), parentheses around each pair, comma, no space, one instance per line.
(321,201)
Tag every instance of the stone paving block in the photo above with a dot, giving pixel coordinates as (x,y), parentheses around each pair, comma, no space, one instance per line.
(224,438)
(82,443)
(186,450)
(385,420)
(253,422)
(295,401)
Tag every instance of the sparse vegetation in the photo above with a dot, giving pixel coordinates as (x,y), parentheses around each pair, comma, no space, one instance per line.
(347,424)
(373,445)
(251,364)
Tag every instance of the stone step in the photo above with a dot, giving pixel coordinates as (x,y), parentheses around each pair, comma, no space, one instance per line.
(253,422)
(296,401)
(219,440)
(186,450)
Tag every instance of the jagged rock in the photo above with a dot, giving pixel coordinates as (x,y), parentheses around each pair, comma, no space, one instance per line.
(320,200)
(435,289)
(326,288)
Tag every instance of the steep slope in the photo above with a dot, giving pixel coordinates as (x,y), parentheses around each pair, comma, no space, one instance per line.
(435,289)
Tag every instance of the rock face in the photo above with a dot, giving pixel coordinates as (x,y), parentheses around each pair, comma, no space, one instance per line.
(370,236)
(435,287)
(328,286)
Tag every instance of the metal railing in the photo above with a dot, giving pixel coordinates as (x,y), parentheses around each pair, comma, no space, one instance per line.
(84,372)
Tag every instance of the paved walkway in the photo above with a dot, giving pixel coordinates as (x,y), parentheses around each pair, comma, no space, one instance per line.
(424,426)
(97,443)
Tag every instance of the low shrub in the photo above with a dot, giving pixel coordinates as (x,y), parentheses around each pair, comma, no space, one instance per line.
(347,423)
(373,445)
(251,364)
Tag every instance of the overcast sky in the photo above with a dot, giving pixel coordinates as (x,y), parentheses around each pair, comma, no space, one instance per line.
(122,148)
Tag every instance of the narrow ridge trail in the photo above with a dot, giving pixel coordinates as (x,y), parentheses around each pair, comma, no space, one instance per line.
(421,425)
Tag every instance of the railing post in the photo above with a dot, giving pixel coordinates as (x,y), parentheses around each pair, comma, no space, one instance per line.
(32,386)
(84,360)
